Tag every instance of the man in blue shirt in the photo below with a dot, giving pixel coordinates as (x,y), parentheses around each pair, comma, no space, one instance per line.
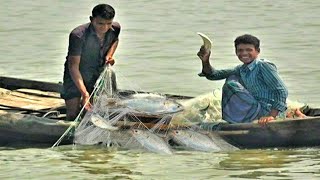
(253,90)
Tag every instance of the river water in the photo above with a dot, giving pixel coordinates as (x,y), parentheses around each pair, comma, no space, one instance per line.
(157,53)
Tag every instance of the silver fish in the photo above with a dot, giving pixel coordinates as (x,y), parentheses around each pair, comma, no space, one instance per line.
(100,122)
(147,96)
(193,140)
(151,141)
(224,145)
(150,104)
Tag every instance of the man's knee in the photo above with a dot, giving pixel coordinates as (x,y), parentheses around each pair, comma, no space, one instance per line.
(232,84)
(73,108)
(71,116)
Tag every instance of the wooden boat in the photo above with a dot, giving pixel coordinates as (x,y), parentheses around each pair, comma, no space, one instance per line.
(32,112)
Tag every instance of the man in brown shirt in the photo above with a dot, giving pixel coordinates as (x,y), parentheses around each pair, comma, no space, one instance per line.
(91,46)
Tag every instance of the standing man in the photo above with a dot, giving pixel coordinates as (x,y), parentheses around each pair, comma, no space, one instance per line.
(91,46)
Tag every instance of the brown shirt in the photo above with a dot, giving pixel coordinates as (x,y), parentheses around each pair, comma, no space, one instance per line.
(84,42)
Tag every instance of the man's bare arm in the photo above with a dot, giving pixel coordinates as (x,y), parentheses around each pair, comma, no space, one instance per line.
(73,64)
(109,58)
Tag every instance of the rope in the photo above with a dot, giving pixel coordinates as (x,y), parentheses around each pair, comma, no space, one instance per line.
(96,86)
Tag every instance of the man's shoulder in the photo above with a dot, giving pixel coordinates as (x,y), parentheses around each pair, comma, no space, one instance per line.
(80,30)
(266,63)
(238,67)
(116,25)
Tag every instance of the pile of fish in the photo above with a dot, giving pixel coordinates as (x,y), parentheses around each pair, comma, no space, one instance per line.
(101,127)
(174,140)
(142,104)
(101,124)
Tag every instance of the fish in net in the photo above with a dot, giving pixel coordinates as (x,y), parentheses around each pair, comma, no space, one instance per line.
(118,120)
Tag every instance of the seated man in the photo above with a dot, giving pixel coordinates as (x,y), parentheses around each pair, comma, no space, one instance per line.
(253,90)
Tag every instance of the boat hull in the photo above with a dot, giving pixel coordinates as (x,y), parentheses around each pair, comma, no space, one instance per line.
(31,126)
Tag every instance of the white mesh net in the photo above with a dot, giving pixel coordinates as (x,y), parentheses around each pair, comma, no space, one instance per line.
(138,120)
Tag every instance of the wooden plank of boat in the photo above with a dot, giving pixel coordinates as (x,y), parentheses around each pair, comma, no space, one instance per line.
(25,128)
(16,83)
(286,133)
(39,93)
(24,101)
(281,133)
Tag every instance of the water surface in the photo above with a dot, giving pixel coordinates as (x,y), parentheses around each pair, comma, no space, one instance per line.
(157,52)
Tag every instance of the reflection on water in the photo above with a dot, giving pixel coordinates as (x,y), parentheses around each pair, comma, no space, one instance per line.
(253,159)
(101,161)
(84,162)
(272,163)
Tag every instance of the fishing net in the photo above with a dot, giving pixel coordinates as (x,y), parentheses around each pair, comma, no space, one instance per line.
(114,115)
(132,119)
(137,120)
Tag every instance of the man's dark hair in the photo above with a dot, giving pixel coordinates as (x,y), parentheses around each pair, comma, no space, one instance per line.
(104,11)
(247,39)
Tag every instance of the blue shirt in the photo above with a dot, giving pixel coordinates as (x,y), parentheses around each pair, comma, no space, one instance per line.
(261,79)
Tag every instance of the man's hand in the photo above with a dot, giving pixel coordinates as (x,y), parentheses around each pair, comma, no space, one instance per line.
(204,54)
(86,102)
(110,60)
(265,120)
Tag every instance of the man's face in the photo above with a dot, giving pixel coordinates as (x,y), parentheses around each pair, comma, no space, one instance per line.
(247,53)
(101,25)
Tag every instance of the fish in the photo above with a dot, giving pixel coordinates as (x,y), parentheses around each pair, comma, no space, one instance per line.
(100,122)
(224,145)
(207,43)
(151,141)
(151,104)
(148,96)
(111,82)
(142,104)
(193,140)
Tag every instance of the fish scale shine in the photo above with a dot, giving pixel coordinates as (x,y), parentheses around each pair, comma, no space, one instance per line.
(100,122)
(152,105)
(151,141)
(194,140)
